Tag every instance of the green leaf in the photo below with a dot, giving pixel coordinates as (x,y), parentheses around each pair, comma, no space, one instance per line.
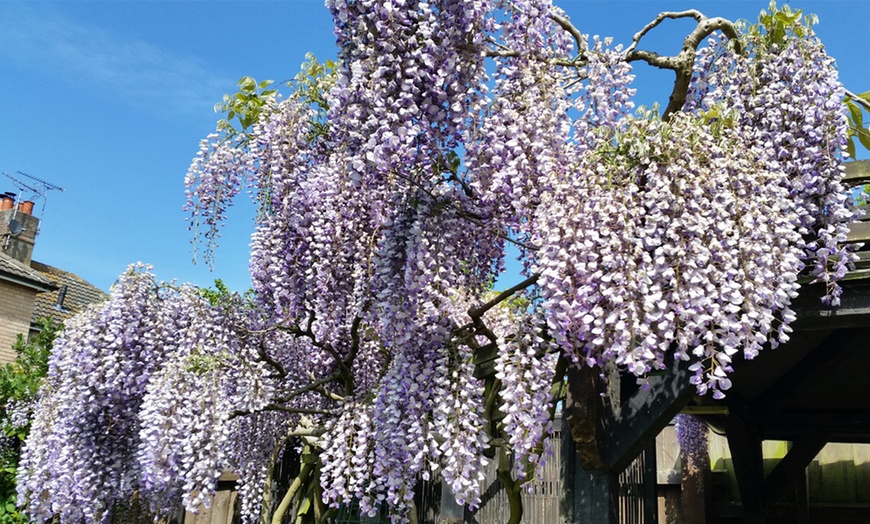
(865,96)
(864,137)
(850,147)
(304,506)
(266,83)
(247,84)
(856,114)
(783,18)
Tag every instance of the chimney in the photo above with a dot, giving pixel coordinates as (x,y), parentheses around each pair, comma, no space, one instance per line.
(17,229)
(61,295)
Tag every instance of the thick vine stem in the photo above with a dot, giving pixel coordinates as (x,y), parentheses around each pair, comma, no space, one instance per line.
(306,471)
(566,24)
(478,312)
(512,488)
(682,62)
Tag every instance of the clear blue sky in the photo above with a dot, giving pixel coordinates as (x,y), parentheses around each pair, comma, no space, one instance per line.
(109,100)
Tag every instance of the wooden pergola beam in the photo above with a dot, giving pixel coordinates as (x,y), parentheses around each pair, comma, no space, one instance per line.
(643,415)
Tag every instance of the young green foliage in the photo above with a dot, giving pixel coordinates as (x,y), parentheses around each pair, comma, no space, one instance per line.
(19,384)
(245,106)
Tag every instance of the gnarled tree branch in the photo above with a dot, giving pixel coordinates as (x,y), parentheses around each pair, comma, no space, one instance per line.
(682,62)
(566,24)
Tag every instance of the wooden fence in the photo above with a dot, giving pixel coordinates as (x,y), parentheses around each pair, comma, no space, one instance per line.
(543,499)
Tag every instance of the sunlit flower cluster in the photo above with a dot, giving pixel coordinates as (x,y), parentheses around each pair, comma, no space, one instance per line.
(80,454)
(214,178)
(140,398)
(526,368)
(787,96)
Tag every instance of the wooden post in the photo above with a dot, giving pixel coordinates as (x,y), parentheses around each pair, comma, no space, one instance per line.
(650,492)
(746,454)
(596,497)
(595,490)
(604,439)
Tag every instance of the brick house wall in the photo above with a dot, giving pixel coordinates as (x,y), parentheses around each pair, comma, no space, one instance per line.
(29,289)
(16,310)
(19,282)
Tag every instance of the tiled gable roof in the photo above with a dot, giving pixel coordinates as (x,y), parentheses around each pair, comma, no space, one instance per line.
(14,271)
(79,293)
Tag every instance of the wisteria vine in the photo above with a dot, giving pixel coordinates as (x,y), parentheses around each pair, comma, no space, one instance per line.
(390,187)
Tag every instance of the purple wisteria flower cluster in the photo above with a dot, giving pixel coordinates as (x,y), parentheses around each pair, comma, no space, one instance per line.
(674,238)
(384,221)
(786,95)
(526,368)
(80,454)
(142,397)
(692,435)
(214,178)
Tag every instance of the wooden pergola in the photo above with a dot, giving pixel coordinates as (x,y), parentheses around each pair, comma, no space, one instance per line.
(811,391)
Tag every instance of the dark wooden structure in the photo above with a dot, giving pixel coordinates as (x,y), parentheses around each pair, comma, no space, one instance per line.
(813,390)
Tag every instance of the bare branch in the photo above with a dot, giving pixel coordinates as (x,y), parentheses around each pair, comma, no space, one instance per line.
(261,350)
(317,385)
(305,432)
(564,62)
(683,62)
(300,411)
(325,392)
(308,387)
(479,311)
(658,20)
(501,53)
(282,408)
(566,24)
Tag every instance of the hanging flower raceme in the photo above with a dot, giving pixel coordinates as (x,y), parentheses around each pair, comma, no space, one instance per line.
(692,438)
(187,409)
(216,175)
(525,135)
(80,455)
(140,397)
(785,93)
(526,368)
(678,237)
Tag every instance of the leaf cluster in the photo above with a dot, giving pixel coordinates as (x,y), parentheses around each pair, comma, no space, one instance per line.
(312,85)
(216,295)
(856,124)
(20,380)
(244,106)
(780,23)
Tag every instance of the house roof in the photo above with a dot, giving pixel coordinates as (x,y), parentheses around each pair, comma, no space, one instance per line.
(14,271)
(79,293)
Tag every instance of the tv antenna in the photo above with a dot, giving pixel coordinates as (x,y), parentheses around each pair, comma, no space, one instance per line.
(34,185)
